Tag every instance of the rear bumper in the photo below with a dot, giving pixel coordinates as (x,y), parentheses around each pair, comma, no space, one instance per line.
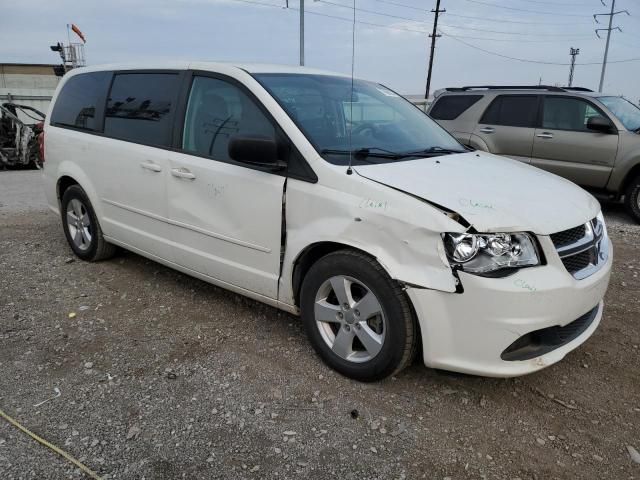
(469,332)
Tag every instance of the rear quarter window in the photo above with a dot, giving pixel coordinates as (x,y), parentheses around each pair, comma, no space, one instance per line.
(451,107)
(80,103)
(140,108)
(512,111)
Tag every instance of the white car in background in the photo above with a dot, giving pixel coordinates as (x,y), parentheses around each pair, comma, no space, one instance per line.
(344,204)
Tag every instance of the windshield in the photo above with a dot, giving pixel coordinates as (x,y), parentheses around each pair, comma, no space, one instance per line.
(384,127)
(626,111)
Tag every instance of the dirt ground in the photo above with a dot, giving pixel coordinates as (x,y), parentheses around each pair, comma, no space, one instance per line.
(162,376)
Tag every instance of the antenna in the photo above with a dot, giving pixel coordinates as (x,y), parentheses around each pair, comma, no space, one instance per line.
(353,61)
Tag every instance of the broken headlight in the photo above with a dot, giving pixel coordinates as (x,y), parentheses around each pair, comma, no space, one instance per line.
(484,253)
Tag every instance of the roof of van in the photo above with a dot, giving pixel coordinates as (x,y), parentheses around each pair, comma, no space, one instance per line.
(212,66)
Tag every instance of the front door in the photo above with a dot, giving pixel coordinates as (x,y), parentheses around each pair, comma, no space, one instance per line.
(226,216)
(565,146)
(508,124)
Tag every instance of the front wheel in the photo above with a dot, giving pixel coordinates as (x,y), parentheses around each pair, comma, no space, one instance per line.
(632,198)
(357,318)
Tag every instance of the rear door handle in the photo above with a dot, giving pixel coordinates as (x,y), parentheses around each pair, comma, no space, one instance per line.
(183,173)
(151,166)
(487,129)
(545,135)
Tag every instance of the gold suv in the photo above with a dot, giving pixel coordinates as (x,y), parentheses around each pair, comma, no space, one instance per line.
(590,138)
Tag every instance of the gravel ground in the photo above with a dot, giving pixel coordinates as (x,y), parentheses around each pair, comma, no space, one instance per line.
(162,376)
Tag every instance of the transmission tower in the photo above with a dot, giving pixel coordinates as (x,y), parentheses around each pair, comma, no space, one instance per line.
(573,52)
(611,14)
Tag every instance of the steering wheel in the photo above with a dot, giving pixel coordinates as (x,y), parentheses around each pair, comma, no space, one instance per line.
(363,127)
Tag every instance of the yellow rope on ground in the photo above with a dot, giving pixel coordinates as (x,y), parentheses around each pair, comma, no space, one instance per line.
(59,451)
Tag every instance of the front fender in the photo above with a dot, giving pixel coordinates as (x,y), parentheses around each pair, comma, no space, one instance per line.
(478,143)
(625,168)
(386,225)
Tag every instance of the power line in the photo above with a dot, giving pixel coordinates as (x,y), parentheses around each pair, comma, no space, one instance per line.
(511,40)
(505,20)
(563,4)
(368,11)
(374,12)
(404,5)
(516,33)
(453,37)
(525,60)
(526,10)
(486,19)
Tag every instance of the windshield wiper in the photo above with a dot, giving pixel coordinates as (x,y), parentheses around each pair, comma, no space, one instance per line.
(362,153)
(432,151)
(375,152)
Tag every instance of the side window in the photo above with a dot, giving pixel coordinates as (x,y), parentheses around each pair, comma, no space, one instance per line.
(140,107)
(450,107)
(80,103)
(562,113)
(512,111)
(218,110)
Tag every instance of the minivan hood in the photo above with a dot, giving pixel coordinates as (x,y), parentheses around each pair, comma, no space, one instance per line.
(492,193)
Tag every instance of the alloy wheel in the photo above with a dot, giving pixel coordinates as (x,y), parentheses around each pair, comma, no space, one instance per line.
(79,224)
(350,319)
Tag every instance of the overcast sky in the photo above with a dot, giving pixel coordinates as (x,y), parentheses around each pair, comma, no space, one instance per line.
(396,55)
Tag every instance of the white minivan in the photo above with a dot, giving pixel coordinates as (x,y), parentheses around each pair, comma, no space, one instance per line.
(331,198)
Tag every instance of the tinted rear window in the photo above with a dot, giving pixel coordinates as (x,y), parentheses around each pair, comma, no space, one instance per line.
(451,107)
(512,111)
(80,103)
(140,107)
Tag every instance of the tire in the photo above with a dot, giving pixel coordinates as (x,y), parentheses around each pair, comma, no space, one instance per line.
(632,198)
(81,227)
(363,340)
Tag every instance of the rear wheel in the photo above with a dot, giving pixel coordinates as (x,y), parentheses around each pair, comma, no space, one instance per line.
(81,226)
(632,198)
(357,318)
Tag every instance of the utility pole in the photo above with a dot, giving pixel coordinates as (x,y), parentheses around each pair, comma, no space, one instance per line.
(611,14)
(433,37)
(573,52)
(301,33)
(301,30)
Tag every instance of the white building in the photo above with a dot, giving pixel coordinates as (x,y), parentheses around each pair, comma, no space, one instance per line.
(27,84)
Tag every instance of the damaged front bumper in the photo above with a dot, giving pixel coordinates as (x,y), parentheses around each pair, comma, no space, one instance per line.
(504,327)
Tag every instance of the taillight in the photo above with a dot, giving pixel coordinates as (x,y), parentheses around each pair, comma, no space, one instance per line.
(40,127)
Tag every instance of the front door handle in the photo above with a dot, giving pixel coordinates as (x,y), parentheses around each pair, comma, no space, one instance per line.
(183,173)
(487,129)
(545,135)
(151,166)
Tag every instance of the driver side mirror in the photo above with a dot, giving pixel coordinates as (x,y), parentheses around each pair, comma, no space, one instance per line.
(599,124)
(254,149)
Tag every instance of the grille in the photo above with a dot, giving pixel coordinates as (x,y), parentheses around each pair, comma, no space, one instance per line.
(567,237)
(575,263)
(583,249)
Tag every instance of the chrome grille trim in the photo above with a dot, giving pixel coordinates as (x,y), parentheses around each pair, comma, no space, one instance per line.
(585,256)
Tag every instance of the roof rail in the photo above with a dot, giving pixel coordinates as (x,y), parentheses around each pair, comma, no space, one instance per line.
(578,89)
(507,87)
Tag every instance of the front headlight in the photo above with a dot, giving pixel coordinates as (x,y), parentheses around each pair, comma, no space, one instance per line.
(484,253)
